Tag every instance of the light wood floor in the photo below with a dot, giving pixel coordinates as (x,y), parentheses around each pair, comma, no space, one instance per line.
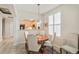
(7,47)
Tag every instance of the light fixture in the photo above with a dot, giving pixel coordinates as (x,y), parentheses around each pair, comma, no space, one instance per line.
(38,11)
(38,20)
(5,10)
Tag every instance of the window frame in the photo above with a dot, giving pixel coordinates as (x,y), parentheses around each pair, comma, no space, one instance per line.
(53,24)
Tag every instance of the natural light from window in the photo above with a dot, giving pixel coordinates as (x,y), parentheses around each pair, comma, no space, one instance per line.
(54,24)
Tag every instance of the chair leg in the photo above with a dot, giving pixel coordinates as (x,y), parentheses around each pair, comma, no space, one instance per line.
(78,52)
(60,50)
(26,48)
(67,52)
(52,49)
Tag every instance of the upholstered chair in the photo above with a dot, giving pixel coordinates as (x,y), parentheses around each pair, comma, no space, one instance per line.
(57,43)
(32,44)
(71,43)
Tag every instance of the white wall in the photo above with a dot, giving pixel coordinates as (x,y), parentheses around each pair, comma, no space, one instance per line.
(26,15)
(0,27)
(69,19)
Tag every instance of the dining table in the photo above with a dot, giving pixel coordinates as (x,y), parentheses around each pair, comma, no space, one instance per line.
(42,38)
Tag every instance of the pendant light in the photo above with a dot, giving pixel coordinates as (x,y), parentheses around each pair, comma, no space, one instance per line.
(39,20)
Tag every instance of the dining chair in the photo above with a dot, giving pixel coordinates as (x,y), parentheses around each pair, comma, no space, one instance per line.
(71,45)
(26,33)
(57,43)
(33,46)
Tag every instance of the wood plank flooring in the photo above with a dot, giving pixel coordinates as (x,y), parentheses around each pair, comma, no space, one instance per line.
(7,47)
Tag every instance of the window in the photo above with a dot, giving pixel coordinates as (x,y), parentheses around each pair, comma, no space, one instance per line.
(55,24)
(50,24)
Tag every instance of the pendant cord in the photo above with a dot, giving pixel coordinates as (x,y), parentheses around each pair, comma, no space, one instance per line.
(38,11)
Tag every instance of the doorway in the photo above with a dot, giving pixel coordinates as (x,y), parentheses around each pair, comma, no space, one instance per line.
(3,28)
(7,28)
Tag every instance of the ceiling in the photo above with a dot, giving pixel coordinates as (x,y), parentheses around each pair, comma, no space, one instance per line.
(33,8)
